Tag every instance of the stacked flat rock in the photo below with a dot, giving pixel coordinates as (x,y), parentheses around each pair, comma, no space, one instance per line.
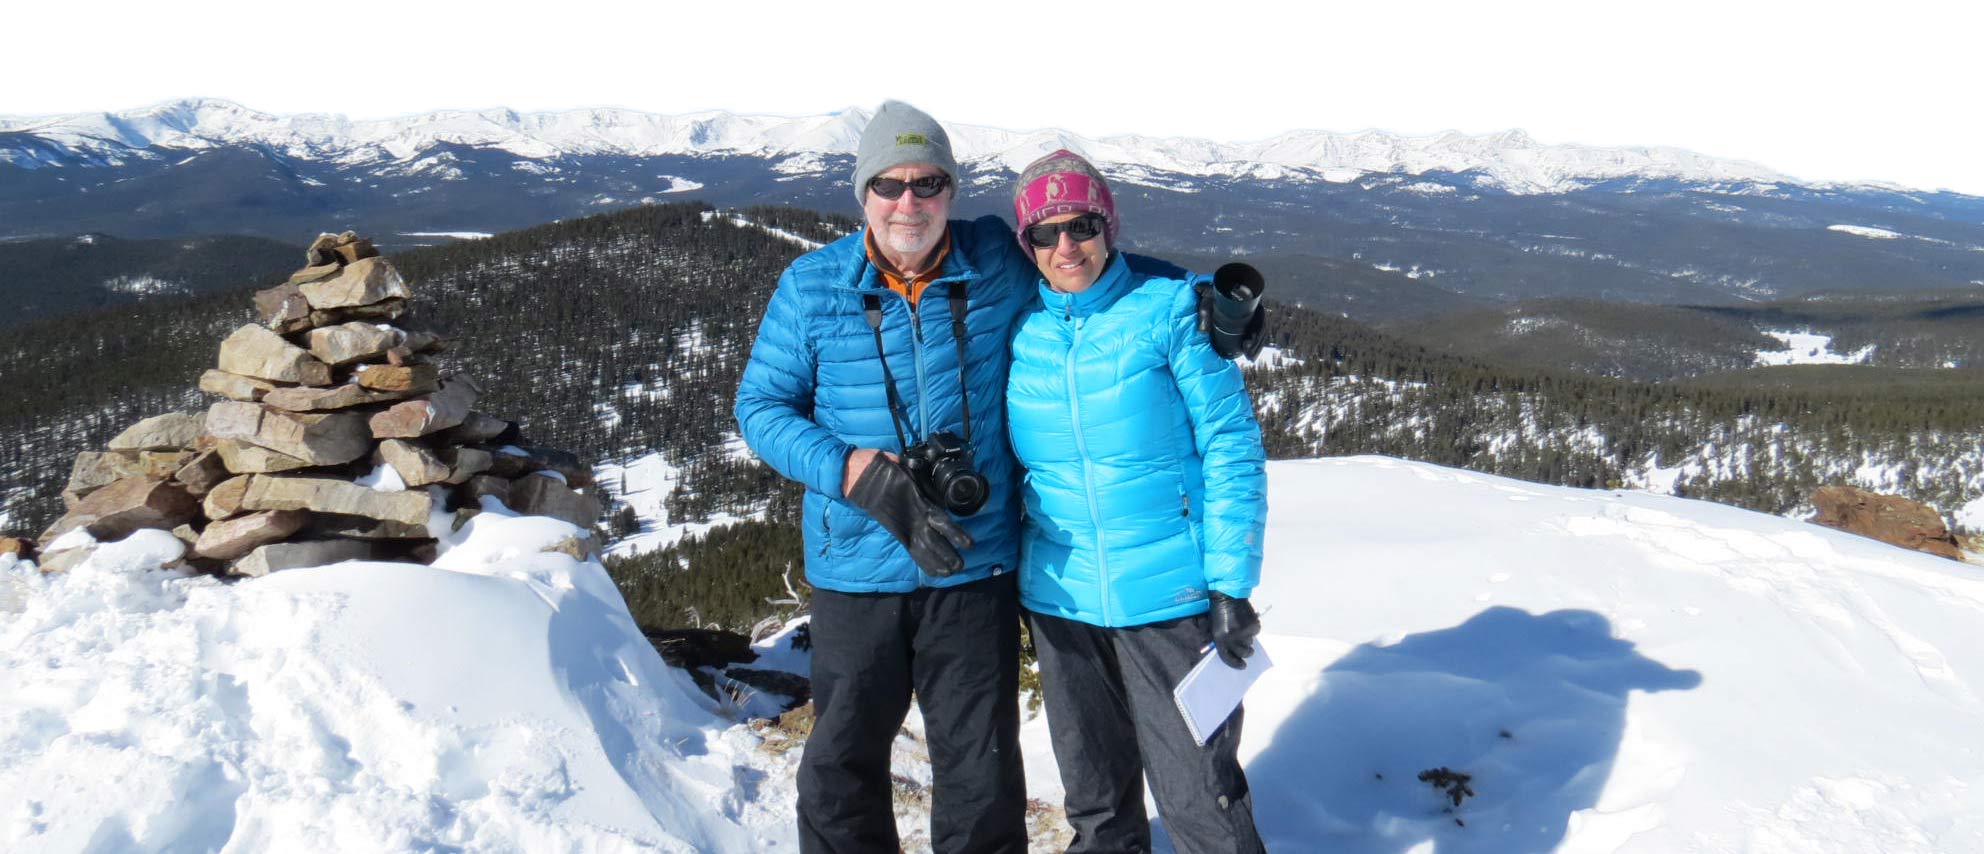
(337,438)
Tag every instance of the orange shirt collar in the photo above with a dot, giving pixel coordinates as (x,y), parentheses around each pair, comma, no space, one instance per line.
(912,287)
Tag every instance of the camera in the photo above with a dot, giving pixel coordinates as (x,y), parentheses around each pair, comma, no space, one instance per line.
(1237,290)
(941,468)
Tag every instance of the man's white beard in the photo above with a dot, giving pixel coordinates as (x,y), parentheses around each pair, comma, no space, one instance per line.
(911,240)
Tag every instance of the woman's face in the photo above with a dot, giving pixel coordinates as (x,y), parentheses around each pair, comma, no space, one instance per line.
(1069,265)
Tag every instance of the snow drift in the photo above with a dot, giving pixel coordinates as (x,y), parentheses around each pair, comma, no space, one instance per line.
(501,700)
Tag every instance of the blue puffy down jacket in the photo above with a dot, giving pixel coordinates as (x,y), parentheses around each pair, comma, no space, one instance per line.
(813,392)
(1145,481)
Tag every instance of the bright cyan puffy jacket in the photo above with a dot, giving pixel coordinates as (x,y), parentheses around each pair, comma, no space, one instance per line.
(1145,483)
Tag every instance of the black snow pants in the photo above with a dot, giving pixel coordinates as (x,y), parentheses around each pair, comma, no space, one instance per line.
(1113,723)
(957,648)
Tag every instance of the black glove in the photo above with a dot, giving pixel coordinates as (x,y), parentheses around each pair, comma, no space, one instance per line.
(890,496)
(1250,342)
(1234,626)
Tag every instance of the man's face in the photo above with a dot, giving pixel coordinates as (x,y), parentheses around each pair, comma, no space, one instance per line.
(906,225)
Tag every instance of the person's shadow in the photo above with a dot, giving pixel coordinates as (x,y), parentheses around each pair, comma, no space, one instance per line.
(1531,706)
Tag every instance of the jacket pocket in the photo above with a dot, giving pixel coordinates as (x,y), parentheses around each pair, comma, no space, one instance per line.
(1191,521)
(826,526)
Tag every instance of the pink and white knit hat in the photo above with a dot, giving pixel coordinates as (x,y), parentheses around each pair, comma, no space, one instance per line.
(1059,183)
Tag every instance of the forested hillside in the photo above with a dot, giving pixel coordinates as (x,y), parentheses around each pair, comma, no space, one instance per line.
(624,333)
(1923,329)
(51,276)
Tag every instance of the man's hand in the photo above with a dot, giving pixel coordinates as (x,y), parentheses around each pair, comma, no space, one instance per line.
(884,489)
(1250,342)
(1234,625)
(857,462)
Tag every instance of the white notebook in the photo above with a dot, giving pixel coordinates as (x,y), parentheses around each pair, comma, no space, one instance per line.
(1208,694)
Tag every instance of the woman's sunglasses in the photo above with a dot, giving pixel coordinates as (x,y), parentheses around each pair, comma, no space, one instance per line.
(1081,228)
(926,187)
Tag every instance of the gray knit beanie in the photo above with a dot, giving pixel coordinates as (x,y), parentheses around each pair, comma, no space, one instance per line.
(898,134)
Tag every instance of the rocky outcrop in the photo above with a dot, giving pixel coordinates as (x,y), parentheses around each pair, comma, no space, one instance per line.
(1891,519)
(336,437)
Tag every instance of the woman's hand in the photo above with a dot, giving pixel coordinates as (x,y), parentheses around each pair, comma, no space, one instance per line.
(1234,625)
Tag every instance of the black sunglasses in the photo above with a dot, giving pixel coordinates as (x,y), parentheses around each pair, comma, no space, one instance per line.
(1081,228)
(924,187)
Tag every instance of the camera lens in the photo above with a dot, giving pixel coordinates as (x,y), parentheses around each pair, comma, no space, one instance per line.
(964,491)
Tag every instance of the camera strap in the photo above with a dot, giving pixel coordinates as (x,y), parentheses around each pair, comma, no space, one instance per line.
(957,334)
(871,308)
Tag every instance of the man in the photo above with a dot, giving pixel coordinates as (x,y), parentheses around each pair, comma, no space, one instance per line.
(889,340)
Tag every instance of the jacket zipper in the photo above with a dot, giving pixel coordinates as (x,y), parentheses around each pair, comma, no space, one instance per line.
(1088,467)
(916,352)
(1191,525)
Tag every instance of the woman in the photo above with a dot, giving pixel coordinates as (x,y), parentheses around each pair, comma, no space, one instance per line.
(1145,496)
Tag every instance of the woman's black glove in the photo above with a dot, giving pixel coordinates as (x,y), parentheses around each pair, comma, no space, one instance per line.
(1231,312)
(890,496)
(1234,626)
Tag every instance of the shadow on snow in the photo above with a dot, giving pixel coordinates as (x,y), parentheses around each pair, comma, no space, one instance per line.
(1533,706)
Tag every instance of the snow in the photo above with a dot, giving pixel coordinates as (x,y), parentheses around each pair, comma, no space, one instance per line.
(677,184)
(1525,324)
(779,233)
(1618,671)
(557,476)
(383,478)
(1866,231)
(1270,358)
(144,285)
(1970,517)
(1673,675)
(644,483)
(458,235)
(1809,348)
(501,700)
(1428,188)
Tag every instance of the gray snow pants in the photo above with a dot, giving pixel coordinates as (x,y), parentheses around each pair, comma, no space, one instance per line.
(1113,723)
(957,648)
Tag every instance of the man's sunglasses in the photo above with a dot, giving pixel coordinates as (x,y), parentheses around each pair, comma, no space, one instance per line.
(1081,228)
(926,187)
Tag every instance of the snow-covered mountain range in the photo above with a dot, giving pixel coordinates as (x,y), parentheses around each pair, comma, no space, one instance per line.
(1511,159)
(1496,217)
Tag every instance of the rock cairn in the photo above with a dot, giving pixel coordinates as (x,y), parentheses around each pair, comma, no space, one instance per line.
(338,437)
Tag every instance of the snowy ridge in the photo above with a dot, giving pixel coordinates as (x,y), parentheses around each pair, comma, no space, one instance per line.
(1510,159)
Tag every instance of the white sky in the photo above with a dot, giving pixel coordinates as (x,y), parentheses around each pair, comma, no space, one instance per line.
(1884,91)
